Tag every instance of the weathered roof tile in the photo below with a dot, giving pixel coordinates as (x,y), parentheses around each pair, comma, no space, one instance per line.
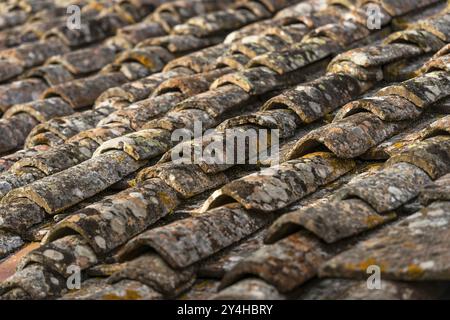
(88,182)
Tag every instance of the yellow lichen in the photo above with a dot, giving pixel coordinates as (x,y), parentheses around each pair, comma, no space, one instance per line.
(317,154)
(328,117)
(132,183)
(167,200)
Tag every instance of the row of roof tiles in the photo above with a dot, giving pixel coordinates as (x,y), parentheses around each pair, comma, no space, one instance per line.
(387,104)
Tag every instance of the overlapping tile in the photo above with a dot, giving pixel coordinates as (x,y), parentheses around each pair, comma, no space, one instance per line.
(283,65)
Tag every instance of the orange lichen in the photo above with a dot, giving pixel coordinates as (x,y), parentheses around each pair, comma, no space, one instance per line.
(398,145)
(373,221)
(363,265)
(366,263)
(414,271)
(129,295)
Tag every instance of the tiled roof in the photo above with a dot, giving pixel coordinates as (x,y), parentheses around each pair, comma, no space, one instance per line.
(86,138)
